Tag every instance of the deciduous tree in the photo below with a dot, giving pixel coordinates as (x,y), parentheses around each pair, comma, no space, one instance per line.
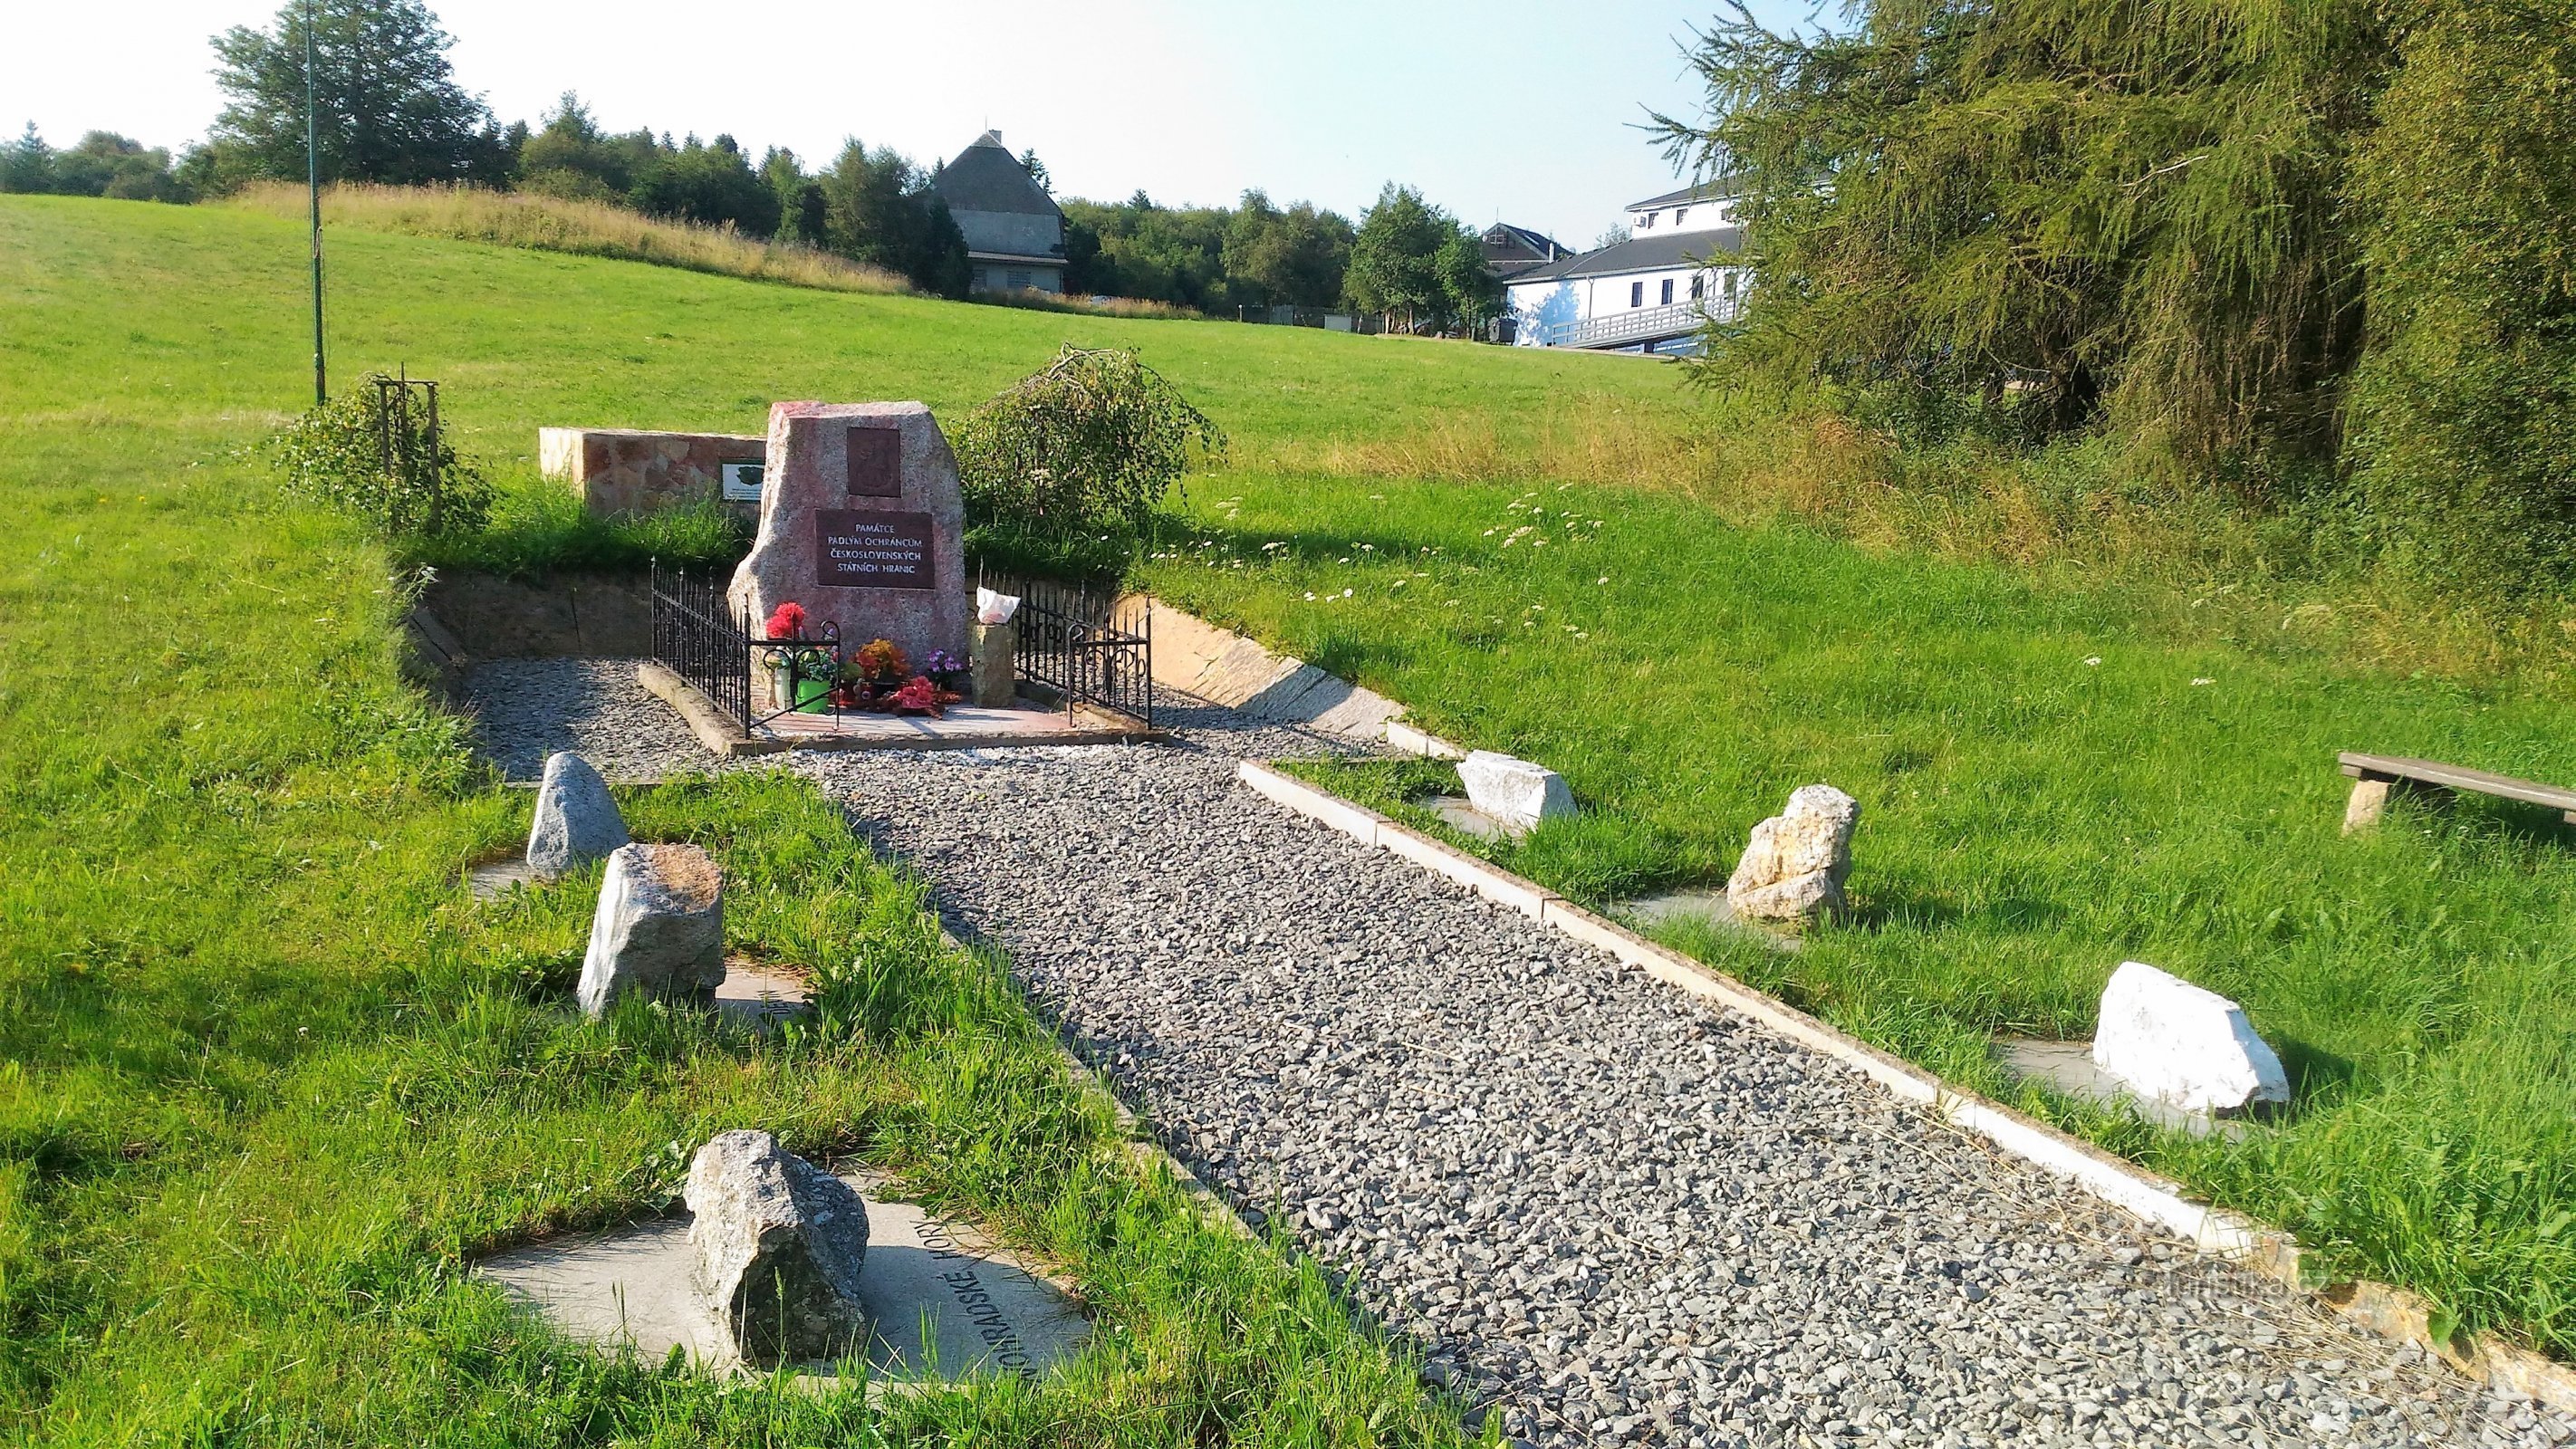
(387,104)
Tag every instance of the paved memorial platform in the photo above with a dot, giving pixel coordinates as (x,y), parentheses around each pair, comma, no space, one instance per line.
(943,1302)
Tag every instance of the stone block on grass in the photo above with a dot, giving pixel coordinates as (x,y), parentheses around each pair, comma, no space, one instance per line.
(777,1245)
(577,820)
(1514,793)
(1795,863)
(659,928)
(2183,1045)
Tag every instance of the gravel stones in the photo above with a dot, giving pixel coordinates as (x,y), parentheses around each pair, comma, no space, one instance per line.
(659,928)
(1515,794)
(2186,1047)
(778,1246)
(576,821)
(1795,863)
(1605,1212)
(527,709)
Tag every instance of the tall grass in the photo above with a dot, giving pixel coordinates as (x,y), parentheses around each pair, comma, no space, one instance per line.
(581,228)
(2200,561)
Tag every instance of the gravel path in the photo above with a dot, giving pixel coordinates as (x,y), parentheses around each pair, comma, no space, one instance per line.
(1608,1211)
(530,708)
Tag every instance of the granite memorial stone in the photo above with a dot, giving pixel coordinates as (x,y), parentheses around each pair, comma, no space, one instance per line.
(861,523)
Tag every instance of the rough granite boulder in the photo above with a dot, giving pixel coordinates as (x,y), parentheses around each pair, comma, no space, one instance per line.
(2183,1045)
(778,1244)
(1514,793)
(659,928)
(1795,864)
(862,526)
(577,822)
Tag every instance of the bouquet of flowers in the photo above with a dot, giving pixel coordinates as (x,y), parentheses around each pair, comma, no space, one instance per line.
(787,621)
(919,696)
(943,668)
(880,660)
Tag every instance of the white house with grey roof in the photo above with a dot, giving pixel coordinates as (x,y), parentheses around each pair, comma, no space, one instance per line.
(1678,268)
(1014,230)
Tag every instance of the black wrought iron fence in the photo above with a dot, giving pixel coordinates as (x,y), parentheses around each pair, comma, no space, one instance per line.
(697,637)
(1089,645)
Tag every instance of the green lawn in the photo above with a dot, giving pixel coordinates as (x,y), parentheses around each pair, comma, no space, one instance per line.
(2031,817)
(268,1080)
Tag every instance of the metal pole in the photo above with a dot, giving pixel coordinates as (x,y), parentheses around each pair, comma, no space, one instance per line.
(313,194)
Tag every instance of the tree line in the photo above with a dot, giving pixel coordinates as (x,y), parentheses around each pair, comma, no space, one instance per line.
(2301,252)
(390,110)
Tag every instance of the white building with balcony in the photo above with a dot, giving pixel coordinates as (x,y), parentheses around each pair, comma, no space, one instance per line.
(1678,269)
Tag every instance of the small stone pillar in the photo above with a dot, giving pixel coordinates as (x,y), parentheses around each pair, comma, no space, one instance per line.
(990,664)
(778,1244)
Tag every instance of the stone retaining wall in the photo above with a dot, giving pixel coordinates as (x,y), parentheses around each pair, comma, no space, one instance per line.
(627,470)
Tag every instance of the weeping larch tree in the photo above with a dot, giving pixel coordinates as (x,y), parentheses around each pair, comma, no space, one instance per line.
(2191,222)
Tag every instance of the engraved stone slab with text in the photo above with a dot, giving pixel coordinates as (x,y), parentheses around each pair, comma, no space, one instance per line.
(862,524)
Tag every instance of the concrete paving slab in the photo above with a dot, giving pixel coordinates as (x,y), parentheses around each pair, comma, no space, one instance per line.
(944,1302)
(494,879)
(1708,906)
(1456,813)
(760,996)
(2068,1067)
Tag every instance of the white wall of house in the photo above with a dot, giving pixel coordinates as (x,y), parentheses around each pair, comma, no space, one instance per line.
(1538,308)
(1707,215)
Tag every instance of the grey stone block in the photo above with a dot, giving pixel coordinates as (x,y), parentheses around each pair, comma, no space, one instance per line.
(659,928)
(778,1245)
(577,820)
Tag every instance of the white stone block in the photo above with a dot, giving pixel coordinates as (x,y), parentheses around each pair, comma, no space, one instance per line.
(1513,792)
(2169,1040)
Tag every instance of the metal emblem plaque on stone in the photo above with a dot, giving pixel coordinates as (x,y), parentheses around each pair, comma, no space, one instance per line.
(741,480)
(871,549)
(876,463)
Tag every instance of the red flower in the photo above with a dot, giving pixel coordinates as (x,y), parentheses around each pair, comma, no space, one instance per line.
(787,621)
(917,693)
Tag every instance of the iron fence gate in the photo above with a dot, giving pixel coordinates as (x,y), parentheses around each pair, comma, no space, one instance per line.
(697,637)
(1090,646)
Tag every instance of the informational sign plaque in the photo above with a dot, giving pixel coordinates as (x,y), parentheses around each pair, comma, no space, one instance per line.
(866,549)
(741,481)
(876,463)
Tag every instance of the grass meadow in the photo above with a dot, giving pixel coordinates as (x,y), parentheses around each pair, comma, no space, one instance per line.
(268,1080)
(2062,761)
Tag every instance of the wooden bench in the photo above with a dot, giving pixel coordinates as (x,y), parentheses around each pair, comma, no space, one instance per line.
(2374,776)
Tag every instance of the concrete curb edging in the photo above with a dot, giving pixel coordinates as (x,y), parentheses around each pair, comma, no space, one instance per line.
(713,730)
(2390,1312)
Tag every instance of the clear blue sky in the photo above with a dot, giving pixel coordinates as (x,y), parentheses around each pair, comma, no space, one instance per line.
(1509,109)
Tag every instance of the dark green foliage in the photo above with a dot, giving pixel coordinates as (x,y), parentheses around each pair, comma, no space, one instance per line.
(1087,446)
(1210,258)
(103,164)
(2131,207)
(2464,411)
(1413,258)
(708,183)
(878,208)
(801,209)
(390,472)
(388,105)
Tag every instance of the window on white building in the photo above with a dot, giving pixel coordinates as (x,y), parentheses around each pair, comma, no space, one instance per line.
(1649,223)
(1699,285)
(1678,213)
(1636,294)
(1730,284)
(1019,281)
(1667,298)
